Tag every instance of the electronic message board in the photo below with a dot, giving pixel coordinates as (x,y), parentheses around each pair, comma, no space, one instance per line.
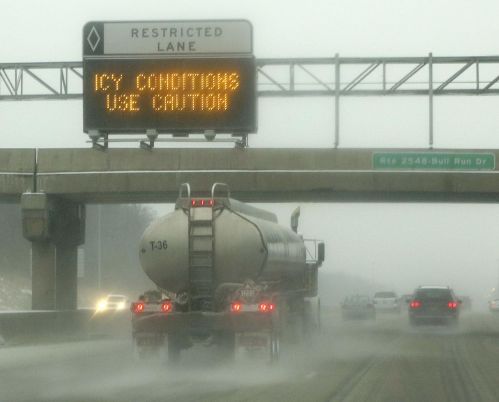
(192,82)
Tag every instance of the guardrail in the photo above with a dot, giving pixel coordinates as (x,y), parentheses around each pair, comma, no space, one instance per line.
(34,326)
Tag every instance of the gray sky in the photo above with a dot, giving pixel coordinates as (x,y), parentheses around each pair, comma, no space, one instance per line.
(401,245)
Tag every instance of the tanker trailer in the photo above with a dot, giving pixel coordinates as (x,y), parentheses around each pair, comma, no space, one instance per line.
(226,274)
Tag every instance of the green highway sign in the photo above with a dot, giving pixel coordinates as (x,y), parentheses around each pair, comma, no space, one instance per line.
(433,161)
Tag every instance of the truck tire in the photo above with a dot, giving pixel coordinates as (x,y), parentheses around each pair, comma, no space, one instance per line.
(227,345)
(174,347)
(137,350)
(312,314)
(274,348)
(145,352)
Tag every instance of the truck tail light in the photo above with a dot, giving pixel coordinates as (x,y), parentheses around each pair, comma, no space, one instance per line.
(266,307)
(166,306)
(415,304)
(138,307)
(452,305)
(202,202)
(236,307)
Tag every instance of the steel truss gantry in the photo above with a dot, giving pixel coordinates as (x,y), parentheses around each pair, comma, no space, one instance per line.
(298,77)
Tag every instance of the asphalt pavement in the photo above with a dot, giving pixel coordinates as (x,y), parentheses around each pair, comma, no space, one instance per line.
(385,360)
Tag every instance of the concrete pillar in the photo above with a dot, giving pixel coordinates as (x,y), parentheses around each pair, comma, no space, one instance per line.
(43,275)
(55,227)
(66,277)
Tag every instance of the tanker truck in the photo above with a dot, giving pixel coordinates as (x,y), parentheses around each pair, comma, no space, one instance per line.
(228,275)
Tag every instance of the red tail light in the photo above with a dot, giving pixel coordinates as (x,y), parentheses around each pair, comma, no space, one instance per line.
(266,307)
(452,305)
(202,202)
(138,307)
(415,304)
(236,307)
(166,306)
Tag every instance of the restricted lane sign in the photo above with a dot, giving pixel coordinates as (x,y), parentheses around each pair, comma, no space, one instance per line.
(167,38)
(433,161)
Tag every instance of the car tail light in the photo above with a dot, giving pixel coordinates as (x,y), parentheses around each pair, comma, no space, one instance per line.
(452,305)
(236,307)
(138,307)
(415,304)
(166,306)
(266,307)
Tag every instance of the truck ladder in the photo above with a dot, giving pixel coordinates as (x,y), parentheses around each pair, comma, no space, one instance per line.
(201,258)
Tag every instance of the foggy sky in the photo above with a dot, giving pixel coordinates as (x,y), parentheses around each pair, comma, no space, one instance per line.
(401,245)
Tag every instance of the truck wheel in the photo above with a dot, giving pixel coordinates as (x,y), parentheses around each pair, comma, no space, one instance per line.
(319,319)
(227,345)
(137,351)
(140,352)
(312,314)
(274,348)
(173,348)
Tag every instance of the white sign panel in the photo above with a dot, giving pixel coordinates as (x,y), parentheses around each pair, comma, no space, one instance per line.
(174,37)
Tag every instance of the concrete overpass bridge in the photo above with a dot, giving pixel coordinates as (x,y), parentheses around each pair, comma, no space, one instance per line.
(84,176)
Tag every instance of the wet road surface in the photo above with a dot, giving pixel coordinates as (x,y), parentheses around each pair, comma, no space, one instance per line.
(356,361)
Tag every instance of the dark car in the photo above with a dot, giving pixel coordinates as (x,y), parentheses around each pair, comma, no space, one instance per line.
(358,307)
(434,305)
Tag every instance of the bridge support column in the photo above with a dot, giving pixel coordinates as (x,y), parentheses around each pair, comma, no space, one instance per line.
(56,228)
(43,275)
(69,234)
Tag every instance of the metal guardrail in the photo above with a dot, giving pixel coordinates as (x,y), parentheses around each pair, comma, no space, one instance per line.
(34,325)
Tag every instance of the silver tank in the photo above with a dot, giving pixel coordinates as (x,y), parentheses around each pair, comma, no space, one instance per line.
(248,244)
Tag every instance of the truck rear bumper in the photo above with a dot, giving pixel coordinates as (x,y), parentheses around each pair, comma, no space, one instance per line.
(203,321)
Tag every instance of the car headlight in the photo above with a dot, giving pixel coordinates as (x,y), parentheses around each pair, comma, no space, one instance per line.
(101,305)
(120,306)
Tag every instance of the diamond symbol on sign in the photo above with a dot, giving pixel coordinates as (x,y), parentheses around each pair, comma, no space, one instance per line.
(93,39)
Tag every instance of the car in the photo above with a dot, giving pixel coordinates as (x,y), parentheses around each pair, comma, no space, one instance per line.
(434,305)
(112,303)
(386,302)
(358,307)
(494,305)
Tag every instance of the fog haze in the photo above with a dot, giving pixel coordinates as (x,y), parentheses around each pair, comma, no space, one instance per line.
(401,245)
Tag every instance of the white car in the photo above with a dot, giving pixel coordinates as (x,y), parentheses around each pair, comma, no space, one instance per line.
(386,302)
(494,305)
(112,303)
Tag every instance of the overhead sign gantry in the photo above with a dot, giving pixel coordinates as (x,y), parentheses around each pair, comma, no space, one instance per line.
(173,77)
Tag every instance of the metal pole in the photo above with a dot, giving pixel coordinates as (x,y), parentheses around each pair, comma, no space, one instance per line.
(384,76)
(477,75)
(337,100)
(99,247)
(430,94)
